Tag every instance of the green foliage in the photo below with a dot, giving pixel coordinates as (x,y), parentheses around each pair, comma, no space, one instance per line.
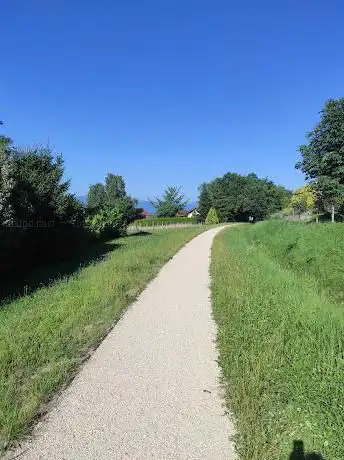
(323,157)
(114,189)
(111,209)
(237,197)
(6,182)
(278,305)
(40,191)
(172,202)
(212,218)
(45,336)
(107,223)
(303,199)
(40,221)
(96,196)
(204,202)
(159,221)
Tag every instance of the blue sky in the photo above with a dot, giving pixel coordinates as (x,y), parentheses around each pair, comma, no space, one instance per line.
(169,92)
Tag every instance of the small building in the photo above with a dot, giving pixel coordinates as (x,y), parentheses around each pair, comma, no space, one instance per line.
(182,213)
(193,213)
(187,213)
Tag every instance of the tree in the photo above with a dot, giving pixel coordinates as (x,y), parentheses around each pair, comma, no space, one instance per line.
(6,182)
(237,197)
(114,189)
(96,196)
(204,202)
(171,202)
(40,191)
(303,199)
(109,207)
(212,217)
(323,157)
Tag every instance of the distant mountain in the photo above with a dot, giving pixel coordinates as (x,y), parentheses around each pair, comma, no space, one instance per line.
(144,204)
(82,199)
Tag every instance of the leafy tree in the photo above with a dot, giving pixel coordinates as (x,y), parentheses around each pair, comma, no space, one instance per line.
(303,199)
(171,202)
(204,202)
(6,182)
(114,189)
(96,196)
(109,207)
(212,217)
(237,197)
(40,192)
(323,157)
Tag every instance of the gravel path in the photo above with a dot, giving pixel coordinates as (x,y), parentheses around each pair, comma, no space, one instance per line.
(151,390)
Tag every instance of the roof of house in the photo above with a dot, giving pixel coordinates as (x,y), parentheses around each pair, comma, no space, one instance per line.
(144,213)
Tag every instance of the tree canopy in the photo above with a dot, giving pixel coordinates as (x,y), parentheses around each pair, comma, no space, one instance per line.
(322,158)
(204,202)
(236,197)
(172,201)
(110,208)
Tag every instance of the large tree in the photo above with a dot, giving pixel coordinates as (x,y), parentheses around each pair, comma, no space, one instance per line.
(204,202)
(96,196)
(40,192)
(111,196)
(6,182)
(237,197)
(323,156)
(171,202)
(114,189)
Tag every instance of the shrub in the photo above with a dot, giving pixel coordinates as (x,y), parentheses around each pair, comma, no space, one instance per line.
(212,217)
(107,223)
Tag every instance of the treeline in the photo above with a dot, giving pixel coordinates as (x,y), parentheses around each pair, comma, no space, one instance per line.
(237,198)
(40,220)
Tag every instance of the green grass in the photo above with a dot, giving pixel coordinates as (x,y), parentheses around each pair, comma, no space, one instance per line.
(281,336)
(45,336)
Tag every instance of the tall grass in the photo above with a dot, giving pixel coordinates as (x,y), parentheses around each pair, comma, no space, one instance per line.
(44,337)
(281,338)
(160,221)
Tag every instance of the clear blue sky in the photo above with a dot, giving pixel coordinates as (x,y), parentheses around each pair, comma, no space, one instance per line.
(169,92)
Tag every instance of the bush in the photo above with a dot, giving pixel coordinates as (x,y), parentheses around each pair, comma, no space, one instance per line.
(212,218)
(107,223)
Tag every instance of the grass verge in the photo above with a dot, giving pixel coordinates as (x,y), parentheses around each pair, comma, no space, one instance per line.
(45,336)
(281,342)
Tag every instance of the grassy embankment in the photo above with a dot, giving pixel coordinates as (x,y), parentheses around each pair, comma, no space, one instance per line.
(45,336)
(278,302)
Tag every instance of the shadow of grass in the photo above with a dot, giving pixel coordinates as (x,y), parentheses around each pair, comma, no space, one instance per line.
(22,284)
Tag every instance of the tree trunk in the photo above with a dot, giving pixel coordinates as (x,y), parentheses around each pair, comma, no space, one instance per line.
(332,213)
(317,218)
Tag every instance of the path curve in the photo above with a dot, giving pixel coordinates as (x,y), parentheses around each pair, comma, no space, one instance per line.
(151,389)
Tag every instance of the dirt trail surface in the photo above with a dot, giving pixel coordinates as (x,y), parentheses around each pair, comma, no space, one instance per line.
(151,390)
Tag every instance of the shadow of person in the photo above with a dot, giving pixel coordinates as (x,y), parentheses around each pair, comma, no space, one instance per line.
(299,453)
